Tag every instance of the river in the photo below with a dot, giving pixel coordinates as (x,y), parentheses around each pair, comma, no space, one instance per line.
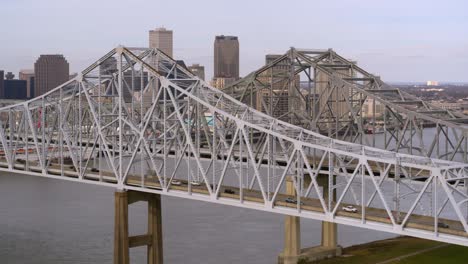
(52,221)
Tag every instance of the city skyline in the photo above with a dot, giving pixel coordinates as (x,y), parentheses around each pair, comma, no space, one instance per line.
(325,131)
(400,44)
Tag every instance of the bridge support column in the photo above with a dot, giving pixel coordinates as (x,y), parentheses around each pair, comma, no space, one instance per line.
(292,233)
(329,230)
(152,239)
(121,247)
(292,251)
(329,235)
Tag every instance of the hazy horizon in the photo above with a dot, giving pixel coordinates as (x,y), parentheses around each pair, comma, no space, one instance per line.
(399,41)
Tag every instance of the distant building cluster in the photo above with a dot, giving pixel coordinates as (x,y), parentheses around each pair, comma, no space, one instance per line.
(11,88)
(444,96)
(432,89)
(49,72)
(226,56)
(447,105)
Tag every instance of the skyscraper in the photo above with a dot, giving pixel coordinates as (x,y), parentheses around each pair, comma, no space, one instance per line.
(226,57)
(198,70)
(28,76)
(161,39)
(15,89)
(50,71)
(337,102)
(2,87)
(277,97)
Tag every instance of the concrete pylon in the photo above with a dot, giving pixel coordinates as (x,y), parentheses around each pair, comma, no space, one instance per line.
(329,230)
(121,247)
(152,239)
(155,248)
(292,232)
(329,235)
(292,251)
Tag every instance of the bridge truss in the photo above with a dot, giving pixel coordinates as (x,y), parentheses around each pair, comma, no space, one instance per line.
(324,92)
(137,120)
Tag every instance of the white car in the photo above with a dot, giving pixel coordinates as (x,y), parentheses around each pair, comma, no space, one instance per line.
(176,182)
(195,183)
(349,208)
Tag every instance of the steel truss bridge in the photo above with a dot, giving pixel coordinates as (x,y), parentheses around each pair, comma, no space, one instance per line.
(324,92)
(136,120)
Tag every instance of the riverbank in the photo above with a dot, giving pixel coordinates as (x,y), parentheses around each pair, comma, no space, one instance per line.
(406,250)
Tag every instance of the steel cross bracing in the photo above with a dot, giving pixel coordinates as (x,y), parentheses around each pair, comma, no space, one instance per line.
(137,120)
(324,92)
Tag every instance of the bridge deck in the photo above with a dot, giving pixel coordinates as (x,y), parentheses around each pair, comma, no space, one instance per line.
(372,214)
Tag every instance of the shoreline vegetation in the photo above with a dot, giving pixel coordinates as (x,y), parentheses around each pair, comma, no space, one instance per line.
(402,250)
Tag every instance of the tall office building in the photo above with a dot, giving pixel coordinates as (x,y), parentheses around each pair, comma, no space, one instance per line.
(15,89)
(337,103)
(198,70)
(28,76)
(2,87)
(278,96)
(51,71)
(226,57)
(161,39)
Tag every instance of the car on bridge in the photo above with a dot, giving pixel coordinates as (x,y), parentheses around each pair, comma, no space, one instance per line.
(176,182)
(292,201)
(350,209)
(195,183)
(442,225)
(229,191)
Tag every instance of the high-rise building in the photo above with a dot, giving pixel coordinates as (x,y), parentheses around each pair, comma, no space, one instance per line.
(15,89)
(198,70)
(2,87)
(28,76)
(278,96)
(336,105)
(226,57)
(51,71)
(161,39)
(372,109)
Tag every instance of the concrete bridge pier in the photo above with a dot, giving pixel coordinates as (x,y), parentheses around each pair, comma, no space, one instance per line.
(152,239)
(292,251)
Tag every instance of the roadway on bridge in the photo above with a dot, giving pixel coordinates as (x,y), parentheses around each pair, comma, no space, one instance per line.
(379,215)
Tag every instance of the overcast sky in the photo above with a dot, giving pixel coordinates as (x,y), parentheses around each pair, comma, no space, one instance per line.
(400,40)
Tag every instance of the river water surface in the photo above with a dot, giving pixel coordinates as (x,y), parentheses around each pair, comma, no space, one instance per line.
(52,221)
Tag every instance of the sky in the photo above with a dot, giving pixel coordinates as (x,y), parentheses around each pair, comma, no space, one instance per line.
(407,41)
